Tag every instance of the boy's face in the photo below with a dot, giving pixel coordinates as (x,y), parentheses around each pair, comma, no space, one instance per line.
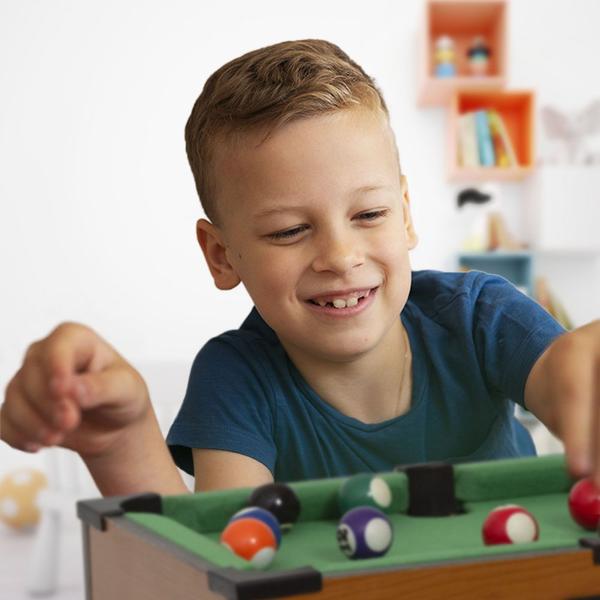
(319,211)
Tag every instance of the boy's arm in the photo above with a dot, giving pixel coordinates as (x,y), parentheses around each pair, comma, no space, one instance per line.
(220,469)
(74,390)
(140,463)
(563,391)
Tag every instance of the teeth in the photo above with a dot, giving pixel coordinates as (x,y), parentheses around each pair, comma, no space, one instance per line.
(343,302)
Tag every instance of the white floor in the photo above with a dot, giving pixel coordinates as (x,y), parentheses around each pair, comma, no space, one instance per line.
(15,549)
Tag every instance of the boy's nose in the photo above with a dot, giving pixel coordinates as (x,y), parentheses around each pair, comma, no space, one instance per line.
(337,255)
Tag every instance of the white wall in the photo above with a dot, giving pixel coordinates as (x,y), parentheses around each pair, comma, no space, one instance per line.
(97,204)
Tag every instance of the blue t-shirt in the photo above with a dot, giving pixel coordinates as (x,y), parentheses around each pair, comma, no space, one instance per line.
(474,339)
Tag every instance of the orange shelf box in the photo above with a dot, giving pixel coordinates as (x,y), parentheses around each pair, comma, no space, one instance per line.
(517,110)
(462,21)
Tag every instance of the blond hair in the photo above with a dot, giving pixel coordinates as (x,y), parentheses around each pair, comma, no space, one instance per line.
(265,89)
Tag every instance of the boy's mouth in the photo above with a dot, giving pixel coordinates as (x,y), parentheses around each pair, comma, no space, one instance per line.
(345,300)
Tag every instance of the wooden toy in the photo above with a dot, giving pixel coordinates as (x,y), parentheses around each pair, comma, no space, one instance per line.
(18,497)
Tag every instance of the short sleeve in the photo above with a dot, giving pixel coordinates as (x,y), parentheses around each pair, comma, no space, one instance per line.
(226,406)
(510,331)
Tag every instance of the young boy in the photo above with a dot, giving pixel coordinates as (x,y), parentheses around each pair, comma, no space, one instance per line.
(348,362)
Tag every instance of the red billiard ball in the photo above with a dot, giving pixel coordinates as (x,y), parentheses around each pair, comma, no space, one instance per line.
(509,524)
(584,504)
(250,539)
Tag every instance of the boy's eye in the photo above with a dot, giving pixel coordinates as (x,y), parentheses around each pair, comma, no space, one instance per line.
(288,233)
(371,215)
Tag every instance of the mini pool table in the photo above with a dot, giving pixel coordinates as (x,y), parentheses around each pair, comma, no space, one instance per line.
(167,548)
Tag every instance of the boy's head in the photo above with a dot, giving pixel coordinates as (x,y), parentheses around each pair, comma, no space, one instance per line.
(262,91)
(297,168)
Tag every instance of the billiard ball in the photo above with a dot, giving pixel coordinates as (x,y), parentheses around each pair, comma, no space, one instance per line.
(255,512)
(280,500)
(364,489)
(250,539)
(584,503)
(364,532)
(509,524)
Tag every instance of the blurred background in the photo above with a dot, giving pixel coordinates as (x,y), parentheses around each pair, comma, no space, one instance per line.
(98,205)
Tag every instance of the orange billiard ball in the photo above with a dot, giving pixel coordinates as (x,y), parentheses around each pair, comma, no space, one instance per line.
(252,540)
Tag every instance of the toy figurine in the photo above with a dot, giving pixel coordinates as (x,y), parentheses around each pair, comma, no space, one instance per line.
(487,229)
(444,57)
(479,56)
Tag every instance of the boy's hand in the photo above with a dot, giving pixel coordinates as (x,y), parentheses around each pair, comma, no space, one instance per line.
(563,391)
(73,390)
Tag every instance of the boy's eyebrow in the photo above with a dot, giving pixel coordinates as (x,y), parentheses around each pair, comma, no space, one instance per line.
(265,212)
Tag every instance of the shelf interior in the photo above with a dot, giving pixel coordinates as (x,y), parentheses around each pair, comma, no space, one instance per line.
(463,21)
(517,111)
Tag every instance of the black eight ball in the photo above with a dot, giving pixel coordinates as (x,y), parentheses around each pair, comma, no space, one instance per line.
(280,500)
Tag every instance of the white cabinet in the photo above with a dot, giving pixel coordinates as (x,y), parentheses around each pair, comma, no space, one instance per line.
(563,209)
(562,206)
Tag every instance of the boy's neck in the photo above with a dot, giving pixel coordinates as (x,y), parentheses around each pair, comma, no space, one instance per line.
(373,388)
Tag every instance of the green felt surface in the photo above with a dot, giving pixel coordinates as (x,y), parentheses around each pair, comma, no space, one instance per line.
(539,485)
(493,480)
(188,539)
(428,539)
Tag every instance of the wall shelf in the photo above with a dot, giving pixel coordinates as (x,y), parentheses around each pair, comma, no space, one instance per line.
(517,267)
(462,21)
(517,109)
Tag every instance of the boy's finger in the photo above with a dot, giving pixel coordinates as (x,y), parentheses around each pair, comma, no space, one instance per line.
(72,349)
(22,429)
(109,387)
(25,412)
(595,400)
(31,385)
(14,438)
(579,424)
(16,395)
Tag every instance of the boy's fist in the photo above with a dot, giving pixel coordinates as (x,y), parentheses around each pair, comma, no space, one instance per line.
(73,390)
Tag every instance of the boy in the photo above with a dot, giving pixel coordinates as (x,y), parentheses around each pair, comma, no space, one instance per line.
(349,362)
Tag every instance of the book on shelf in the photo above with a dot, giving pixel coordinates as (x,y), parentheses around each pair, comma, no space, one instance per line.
(468,154)
(483,140)
(487,157)
(505,153)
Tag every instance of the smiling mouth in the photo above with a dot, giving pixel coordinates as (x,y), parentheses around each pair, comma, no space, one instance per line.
(341,303)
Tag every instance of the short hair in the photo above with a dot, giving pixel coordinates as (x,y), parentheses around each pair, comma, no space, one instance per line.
(266,89)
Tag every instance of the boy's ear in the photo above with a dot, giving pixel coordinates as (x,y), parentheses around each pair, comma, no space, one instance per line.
(411,235)
(213,246)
